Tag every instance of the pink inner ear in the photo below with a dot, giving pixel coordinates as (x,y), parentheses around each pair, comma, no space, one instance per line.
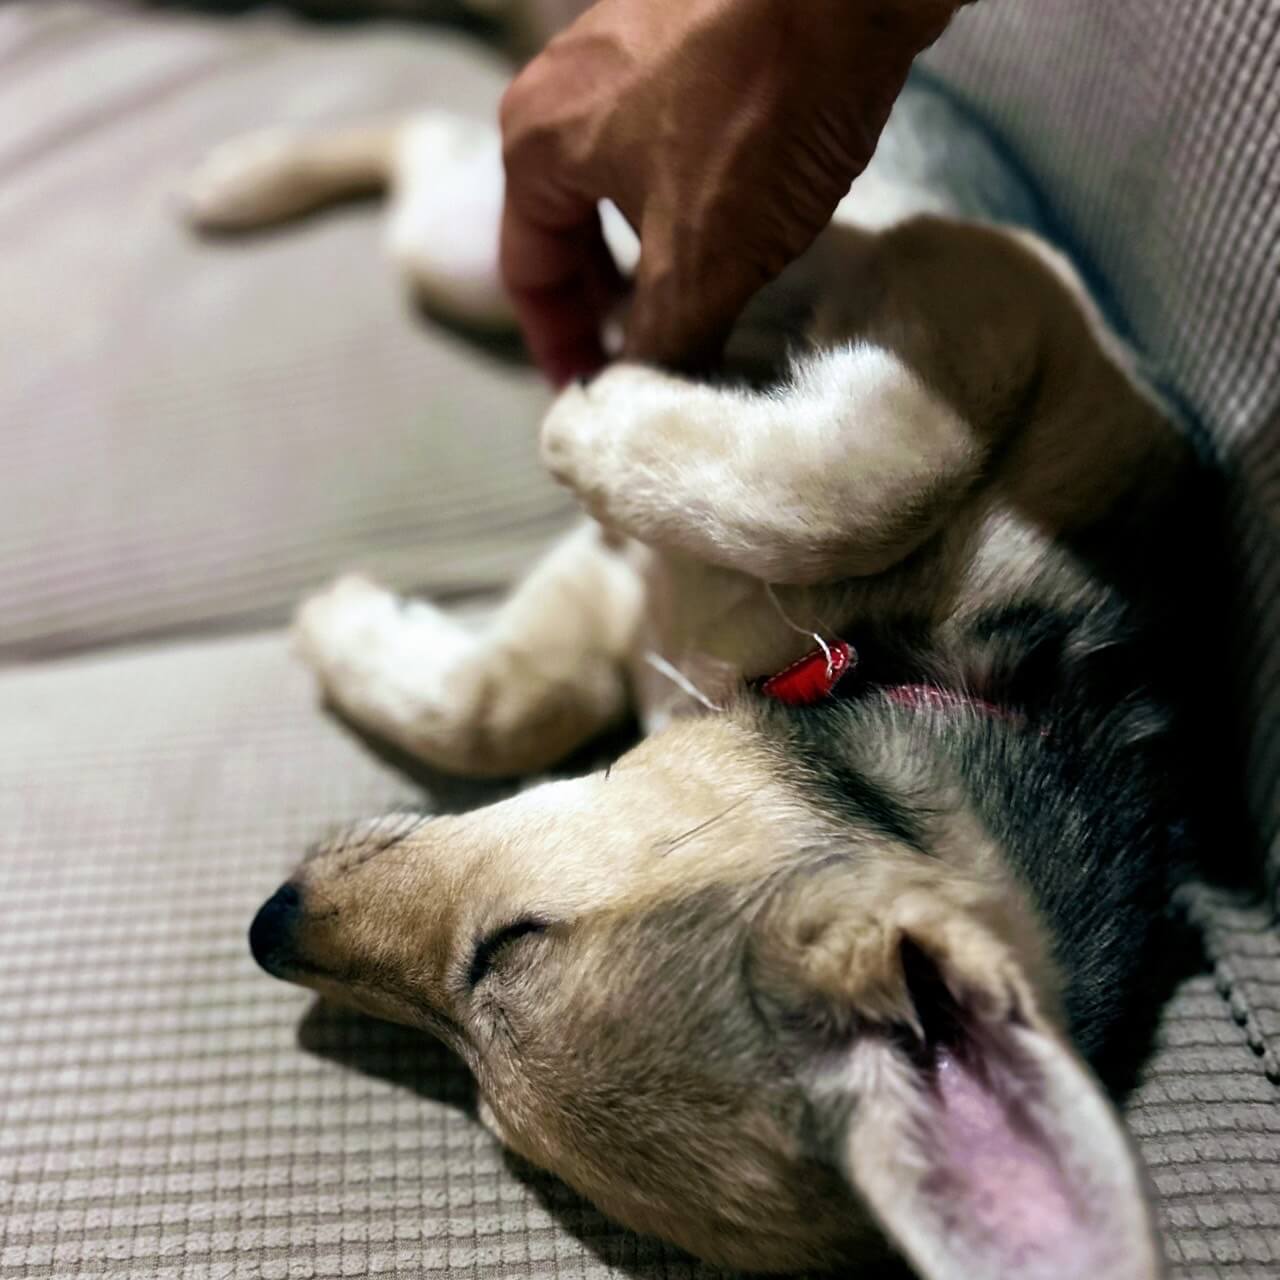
(996,1175)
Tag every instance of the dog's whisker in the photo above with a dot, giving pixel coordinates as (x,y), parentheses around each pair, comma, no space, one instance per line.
(664,847)
(680,680)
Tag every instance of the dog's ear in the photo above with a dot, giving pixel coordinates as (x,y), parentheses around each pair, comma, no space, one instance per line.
(984,1147)
(957,1112)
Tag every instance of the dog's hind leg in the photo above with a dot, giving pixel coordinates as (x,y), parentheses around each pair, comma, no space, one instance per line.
(840,473)
(444,176)
(269,176)
(445,217)
(445,220)
(544,676)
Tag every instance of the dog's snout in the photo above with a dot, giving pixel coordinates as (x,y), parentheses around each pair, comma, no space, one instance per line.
(271,933)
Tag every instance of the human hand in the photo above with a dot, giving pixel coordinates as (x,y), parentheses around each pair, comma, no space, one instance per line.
(726,131)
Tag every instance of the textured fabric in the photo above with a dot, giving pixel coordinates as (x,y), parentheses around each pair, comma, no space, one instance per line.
(1208,1127)
(166,1110)
(1151,128)
(194,434)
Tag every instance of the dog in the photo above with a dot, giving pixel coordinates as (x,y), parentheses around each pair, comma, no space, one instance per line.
(814,972)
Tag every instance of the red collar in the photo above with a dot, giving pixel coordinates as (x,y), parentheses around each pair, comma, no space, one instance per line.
(815,676)
(811,678)
(930,697)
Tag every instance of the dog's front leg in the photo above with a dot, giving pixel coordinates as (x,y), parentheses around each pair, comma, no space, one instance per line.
(840,473)
(515,696)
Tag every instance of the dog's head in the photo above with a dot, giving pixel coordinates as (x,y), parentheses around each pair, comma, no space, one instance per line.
(735,1020)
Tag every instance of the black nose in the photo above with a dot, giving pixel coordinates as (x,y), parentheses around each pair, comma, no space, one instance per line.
(271,933)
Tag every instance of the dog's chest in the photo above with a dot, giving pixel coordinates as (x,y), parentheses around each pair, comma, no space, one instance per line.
(708,631)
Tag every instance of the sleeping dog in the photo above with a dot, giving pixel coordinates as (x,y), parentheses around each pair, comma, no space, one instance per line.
(815,970)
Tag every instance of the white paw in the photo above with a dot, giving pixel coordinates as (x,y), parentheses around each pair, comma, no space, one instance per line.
(244,182)
(590,425)
(587,417)
(347,618)
(567,434)
(575,444)
(445,217)
(385,660)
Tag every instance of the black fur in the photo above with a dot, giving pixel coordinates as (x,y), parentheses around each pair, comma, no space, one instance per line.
(1077,779)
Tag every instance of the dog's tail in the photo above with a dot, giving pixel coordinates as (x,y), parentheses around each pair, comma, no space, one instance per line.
(266,177)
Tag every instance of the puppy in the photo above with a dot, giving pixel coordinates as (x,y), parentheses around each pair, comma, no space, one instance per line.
(814,971)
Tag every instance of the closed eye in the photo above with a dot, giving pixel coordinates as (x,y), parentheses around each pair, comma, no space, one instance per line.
(492,945)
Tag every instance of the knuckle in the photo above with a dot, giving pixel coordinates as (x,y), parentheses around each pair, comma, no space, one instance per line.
(512,103)
(517,119)
(527,115)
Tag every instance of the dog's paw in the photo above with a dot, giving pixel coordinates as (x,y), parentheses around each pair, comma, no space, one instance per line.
(443,226)
(570,435)
(594,436)
(244,183)
(349,617)
(358,632)
(410,673)
(391,665)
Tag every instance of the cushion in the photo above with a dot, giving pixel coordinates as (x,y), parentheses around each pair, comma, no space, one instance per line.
(169,1112)
(1151,128)
(194,433)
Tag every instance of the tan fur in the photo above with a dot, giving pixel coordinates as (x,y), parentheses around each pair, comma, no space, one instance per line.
(691,815)
(279,173)
(927,462)
(614,1048)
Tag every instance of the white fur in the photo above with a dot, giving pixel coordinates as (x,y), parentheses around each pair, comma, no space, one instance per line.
(387,663)
(801,485)
(444,216)
(443,175)
(543,674)
(837,475)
